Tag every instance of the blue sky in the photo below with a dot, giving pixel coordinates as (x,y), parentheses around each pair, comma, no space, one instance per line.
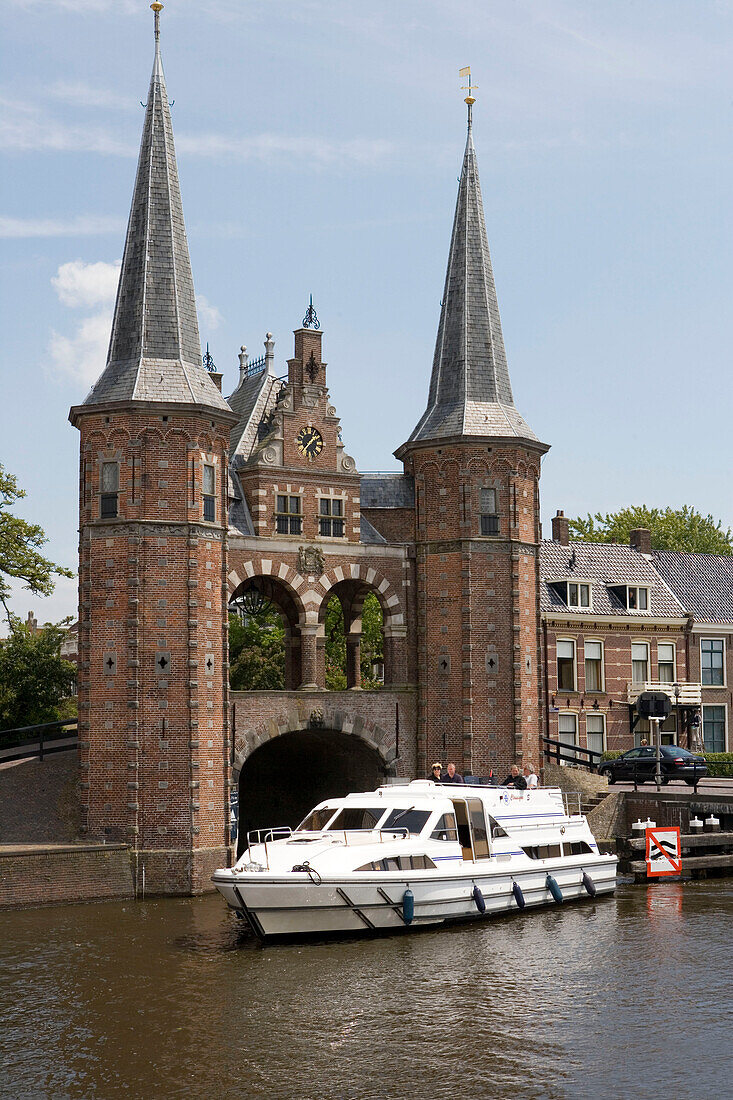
(319,145)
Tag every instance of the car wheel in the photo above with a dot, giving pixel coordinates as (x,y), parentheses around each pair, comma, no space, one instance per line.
(665,780)
(611,777)
(690,782)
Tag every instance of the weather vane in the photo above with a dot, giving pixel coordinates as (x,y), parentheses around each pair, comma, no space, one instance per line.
(311,318)
(208,360)
(470,88)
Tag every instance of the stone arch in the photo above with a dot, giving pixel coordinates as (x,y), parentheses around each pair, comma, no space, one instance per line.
(290,607)
(370,578)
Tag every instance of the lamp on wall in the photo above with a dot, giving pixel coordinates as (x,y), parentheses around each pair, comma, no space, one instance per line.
(251,601)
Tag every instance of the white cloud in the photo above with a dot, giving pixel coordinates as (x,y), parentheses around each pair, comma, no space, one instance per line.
(208,315)
(86,95)
(270,148)
(81,357)
(25,129)
(80,284)
(84,225)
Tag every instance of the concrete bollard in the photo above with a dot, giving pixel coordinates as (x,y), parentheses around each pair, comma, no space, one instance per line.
(695,825)
(638,827)
(712,824)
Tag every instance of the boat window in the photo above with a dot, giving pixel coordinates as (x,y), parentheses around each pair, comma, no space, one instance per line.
(496,829)
(317,819)
(357,817)
(445,828)
(400,863)
(542,851)
(410,819)
(478,827)
(576,848)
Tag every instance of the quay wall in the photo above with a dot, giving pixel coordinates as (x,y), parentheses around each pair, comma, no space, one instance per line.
(34,875)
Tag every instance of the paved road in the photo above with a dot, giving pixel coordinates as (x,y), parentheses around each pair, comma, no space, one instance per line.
(707,785)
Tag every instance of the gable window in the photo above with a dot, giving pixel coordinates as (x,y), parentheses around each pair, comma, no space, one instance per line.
(566,664)
(639,662)
(713,728)
(578,594)
(665,662)
(711,662)
(489,512)
(110,487)
(595,731)
(593,666)
(209,493)
(331,518)
(288,516)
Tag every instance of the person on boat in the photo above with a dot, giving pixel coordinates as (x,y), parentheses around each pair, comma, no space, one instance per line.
(452,776)
(515,779)
(436,773)
(531,777)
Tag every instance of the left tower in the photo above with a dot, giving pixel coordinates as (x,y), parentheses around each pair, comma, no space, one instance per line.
(152,552)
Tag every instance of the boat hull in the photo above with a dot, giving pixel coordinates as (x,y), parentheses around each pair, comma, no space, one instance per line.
(294,905)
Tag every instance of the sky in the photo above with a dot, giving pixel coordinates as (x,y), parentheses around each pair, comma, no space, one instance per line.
(319,145)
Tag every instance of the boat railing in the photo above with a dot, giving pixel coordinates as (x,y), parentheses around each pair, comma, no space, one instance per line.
(571,802)
(262,836)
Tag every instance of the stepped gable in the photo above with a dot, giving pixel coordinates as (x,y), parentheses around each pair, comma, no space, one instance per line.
(703,582)
(154,351)
(470,392)
(603,565)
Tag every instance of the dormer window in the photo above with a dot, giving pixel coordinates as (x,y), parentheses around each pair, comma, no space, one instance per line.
(634,597)
(489,512)
(573,593)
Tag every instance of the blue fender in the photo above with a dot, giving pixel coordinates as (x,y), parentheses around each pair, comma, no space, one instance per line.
(518,895)
(589,884)
(408,906)
(478,898)
(554,889)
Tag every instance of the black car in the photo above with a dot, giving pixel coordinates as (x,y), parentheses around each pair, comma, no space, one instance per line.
(641,764)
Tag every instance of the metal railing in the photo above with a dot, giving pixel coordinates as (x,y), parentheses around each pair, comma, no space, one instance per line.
(682,693)
(25,748)
(573,754)
(284,832)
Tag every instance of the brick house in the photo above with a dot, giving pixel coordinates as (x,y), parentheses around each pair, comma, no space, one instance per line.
(191,504)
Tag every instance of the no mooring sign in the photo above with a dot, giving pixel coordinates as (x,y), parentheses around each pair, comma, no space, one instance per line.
(663,852)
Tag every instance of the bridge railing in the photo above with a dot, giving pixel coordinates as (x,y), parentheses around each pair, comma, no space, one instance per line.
(26,742)
(570,754)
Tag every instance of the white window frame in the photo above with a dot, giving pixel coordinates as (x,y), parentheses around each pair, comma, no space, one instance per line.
(673,647)
(580,584)
(574,644)
(645,643)
(595,715)
(595,641)
(723,683)
(637,588)
(568,714)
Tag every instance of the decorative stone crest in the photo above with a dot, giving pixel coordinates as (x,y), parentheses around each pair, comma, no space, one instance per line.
(310,561)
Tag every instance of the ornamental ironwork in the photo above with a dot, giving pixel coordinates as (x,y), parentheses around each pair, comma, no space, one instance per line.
(311,318)
(208,360)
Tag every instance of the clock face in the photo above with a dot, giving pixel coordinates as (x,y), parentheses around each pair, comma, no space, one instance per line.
(310,442)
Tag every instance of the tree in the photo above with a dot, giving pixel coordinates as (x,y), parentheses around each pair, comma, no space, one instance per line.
(256,652)
(671,529)
(35,681)
(371,644)
(20,542)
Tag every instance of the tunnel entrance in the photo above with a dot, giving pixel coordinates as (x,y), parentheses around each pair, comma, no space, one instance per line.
(285,778)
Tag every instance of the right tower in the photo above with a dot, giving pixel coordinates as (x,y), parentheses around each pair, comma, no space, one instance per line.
(476,466)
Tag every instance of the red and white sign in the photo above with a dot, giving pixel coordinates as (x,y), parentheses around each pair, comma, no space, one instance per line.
(663,852)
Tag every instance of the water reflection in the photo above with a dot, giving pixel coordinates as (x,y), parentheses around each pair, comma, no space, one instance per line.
(175,998)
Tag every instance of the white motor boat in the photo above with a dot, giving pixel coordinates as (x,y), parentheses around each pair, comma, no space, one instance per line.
(416,854)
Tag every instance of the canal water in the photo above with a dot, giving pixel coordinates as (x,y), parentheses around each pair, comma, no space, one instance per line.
(625,997)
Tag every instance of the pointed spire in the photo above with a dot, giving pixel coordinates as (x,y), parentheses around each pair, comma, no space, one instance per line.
(470,392)
(154,351)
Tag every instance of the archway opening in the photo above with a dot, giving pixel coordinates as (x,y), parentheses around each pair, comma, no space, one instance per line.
(353,623)
(285,778)
(264,647)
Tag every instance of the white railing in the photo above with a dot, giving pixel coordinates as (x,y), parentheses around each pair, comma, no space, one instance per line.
(682,691)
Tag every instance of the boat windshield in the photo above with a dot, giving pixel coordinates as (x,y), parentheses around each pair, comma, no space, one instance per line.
(411,819)
(317,820)
(357,817)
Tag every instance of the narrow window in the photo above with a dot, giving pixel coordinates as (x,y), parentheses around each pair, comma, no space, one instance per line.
(331,518)
(713,728)
(209,493)
(711,661)
(567,732)
(642,732)
(595,729)
(110,489)
(639,662)
(288,517)
(566,665)
(489,512)
(665,658)
(594,666)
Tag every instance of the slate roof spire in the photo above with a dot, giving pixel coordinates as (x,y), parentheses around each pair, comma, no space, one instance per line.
(470,392)
(154,350)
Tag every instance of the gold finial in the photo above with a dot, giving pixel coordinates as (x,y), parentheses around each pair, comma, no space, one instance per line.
(470,88)
(156,7)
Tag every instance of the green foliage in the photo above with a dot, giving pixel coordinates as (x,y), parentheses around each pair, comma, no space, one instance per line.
(257,653)
(34,680)
(671,529)
(720,764)
(20,542)
(372,647)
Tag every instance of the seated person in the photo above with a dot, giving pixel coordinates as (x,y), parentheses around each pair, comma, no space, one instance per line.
(514,779)
(452,776)
(436,773)
(531,777)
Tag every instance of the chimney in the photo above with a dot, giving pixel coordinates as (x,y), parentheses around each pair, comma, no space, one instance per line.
(560,528)
(216,378)
(641,539)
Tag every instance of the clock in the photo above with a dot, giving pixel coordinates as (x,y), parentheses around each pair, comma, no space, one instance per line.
(310,442)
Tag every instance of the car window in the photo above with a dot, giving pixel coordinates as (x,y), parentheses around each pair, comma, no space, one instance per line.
(632,754)
(674,750)
(648,751)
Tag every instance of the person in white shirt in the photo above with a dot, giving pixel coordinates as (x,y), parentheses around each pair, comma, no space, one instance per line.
(531,777)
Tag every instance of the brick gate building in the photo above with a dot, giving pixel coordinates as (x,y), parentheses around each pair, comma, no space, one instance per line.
(190,503)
